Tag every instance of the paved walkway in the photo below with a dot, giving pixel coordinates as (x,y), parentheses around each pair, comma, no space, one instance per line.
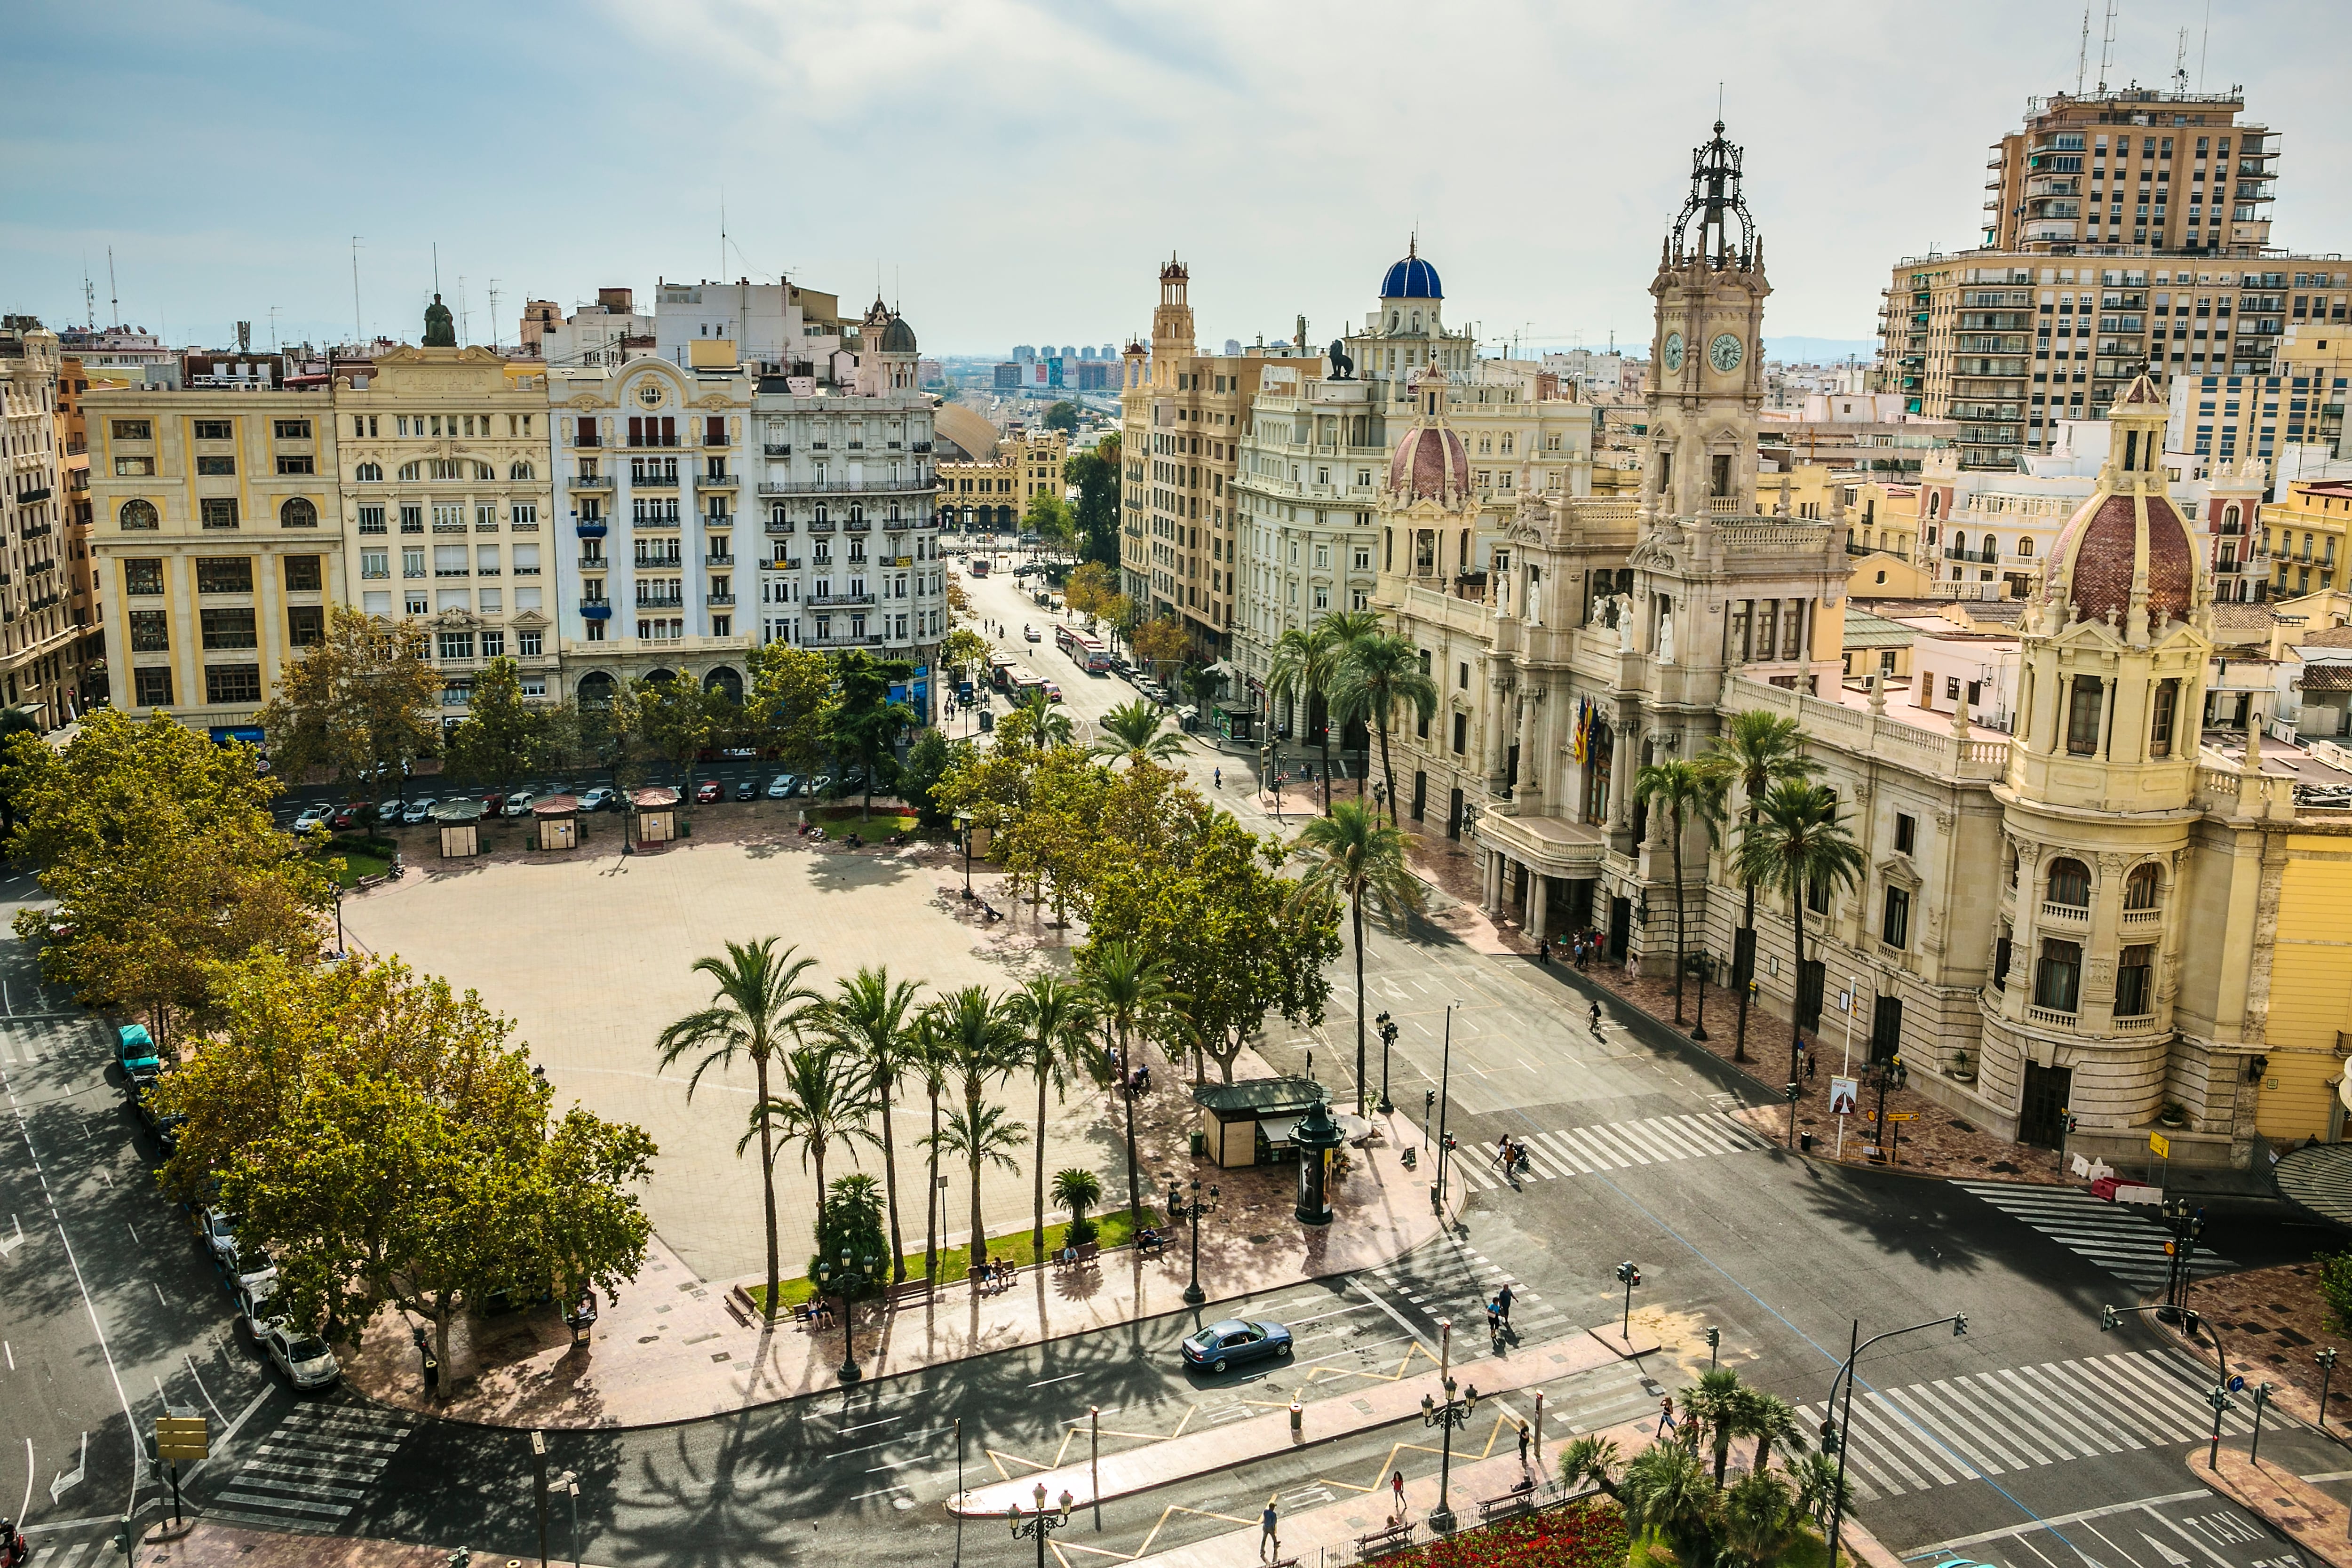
(672,1349)
(224,1546)
(2313,1521)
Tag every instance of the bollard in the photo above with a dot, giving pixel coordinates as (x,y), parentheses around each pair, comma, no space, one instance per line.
(1297,1419)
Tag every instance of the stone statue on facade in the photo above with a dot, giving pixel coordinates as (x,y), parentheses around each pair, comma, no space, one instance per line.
(1342,367)
(440,327)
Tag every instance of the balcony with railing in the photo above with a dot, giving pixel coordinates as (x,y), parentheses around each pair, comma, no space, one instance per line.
(779,525)
(2051,1016)
(720,560)
(592,481)
(594,563)
(589,527)
(652,479)
(718,601)
(2066,914)
(842,487)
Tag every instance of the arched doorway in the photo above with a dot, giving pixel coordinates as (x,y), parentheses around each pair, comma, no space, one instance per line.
(660,677)
(597,689)
(1599,756)
(724,679)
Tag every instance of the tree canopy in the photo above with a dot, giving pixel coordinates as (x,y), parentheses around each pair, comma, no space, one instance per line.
(864,722)
(790,702)
(361,702)
(504,736)
(1096,476)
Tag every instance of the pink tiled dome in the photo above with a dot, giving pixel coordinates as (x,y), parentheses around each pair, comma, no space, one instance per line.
(2091,566)
(1430,461)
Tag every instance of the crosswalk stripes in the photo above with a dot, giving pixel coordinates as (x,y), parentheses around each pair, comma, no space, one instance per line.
(2114,1237)
(1463,1291)
(66,1555)
(1931,1435)
(1613,1146)
(310,1472)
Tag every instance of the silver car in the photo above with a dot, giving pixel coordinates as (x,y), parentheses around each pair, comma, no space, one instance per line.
(304,1358)
(418,812)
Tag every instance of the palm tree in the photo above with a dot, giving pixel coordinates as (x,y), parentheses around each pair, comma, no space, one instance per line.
(1588,1458)
(1037,721)
(1300,675)
(823,1098)
(1364,862)
(1756,751)
(1687,794)
(1130,995)
(1345,629)
(1053,1013)
(1712,1404)
(929,1059)
(1759,1518)
(869,1016)
(759,1005)
(1132,731)
(1377,675)
(1797,844)
(983,1135)
(982,1046)
(1077,1190)
(1771,1419)
(1666,1489)
(1818,1484)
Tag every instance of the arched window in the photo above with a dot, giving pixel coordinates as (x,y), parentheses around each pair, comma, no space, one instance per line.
(369,473)
(1959,541)
(2025,544)
(820,511)
(522,470)
(409,472)
(484,471)
(1935,503)
(2230,518)
(298,513)
(777,514)
(2069,884)
(2141,888)
(137,515)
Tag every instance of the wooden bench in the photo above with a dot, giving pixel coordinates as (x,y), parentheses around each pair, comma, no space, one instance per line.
(1156,1247)
(1494,1508)
(1088,1252)
(1378,1543)
(910,1290)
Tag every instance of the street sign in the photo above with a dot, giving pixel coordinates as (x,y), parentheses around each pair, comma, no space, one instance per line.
(181,1437)
(2161,1144)
(1892,1116)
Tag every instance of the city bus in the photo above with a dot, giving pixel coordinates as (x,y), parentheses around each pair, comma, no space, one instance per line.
(978,565)
(1063,635)
(1089,654)
(999,671)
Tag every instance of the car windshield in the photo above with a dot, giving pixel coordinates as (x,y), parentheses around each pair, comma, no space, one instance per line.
(307,1348)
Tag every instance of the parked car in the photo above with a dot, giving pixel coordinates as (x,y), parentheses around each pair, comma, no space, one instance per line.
(350,815)
(600,798)
(390,810)
(493,804)
(1235,1342)
(518,803)
(304,1358)
(217,1234)
(853,781)
(313,817)
(782,785)
(166,1128)
(250,1293)
(548,789)
(136,1053)
(748,790)
(820,784)
(418,810)
(712,792)
(1031,634)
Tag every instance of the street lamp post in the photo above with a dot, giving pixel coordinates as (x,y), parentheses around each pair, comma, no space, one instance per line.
(1388,1038)
(1834,1431)
(2327,1358)
(1190,1214)
(1042,1524)
(2186,1221)
(963,825)
(1698,966)
(1444,1103)
(1453,1413)
(846,1280)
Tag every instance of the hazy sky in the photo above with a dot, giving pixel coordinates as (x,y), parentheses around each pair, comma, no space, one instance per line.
(1015,172)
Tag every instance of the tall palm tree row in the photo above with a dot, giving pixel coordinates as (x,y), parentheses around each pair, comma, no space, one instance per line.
(1377,675)
(1798,848)
(1689,795)
(983,1046)
(869,1016)
(1130,995)
(758,1010)
(1756,751)
(823,1096)
(1300,674)
(1345,628)
(1132,731)
(1054,1015)
(1363,864)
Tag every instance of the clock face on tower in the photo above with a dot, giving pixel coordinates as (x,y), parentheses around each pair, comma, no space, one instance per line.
(1724,352)
(1673,351)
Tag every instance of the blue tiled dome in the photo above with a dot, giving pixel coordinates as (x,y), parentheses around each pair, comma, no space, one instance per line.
(1411,278)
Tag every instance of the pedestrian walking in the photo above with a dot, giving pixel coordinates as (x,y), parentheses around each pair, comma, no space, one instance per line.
(1596,1019)
(1543,951)
(1523,1445)
(1269,1543)
(1396,1485)
(1503,1300)
(1494,1325)
(1665,1416)
(1219,774)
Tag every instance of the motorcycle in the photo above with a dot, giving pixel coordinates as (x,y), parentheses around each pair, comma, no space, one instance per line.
(12,1549)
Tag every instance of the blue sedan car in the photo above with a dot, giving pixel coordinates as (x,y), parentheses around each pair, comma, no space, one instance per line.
(1234,1342)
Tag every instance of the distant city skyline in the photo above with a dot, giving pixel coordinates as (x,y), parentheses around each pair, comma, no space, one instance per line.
(1538,155)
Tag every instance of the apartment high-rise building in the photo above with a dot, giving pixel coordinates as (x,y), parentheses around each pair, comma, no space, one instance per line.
(39,664)
(2126,231)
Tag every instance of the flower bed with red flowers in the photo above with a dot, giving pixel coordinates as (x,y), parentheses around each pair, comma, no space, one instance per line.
(1590,1534)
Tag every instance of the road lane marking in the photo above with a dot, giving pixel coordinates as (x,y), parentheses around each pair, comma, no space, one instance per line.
(1064,1378)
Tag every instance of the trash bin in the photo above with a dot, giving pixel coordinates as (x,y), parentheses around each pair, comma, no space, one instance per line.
(1199,1142)
(1806,1141)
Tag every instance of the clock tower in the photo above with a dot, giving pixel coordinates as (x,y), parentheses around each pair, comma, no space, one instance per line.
(1707,357)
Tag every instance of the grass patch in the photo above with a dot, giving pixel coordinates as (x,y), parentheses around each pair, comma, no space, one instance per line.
(361,857)
(882,821)
(955,1262)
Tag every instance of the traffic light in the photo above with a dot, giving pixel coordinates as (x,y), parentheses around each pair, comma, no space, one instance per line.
(1829,1437)
(1790,1091)
(1714,1339)
(2108,1318)
(1627,1274)
(1452,1142)
(1959,1324)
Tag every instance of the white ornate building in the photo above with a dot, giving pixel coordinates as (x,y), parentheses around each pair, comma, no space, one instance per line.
(2085,918)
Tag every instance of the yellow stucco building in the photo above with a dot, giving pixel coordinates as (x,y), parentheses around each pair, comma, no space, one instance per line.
(2305,531)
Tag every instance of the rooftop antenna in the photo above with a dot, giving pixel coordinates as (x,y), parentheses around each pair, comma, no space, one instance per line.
(273,328)
(359,332)
(462,335)
(113,292)
(2204,36)
(2107,49)
(437,267)
(494,315)
(2082,53)
(88,298)
(2181,64)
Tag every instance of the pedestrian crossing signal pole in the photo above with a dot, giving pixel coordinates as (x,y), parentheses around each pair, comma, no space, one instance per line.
(1628,1276)
(1840,1434)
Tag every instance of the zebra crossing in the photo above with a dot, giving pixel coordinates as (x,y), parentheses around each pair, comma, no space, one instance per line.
(1464,1281)
(309,1473)
(2113,1237)
(1930,1435)
(1612,1146)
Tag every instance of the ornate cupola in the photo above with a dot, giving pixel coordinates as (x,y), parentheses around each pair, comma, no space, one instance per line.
(1428,509)
(2115,636)
(1708,347)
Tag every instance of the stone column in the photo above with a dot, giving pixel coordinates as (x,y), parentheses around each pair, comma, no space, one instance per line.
(1620,780)
(1539,886)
